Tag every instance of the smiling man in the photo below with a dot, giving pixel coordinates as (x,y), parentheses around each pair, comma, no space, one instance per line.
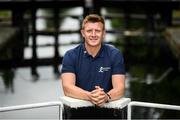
(93,71)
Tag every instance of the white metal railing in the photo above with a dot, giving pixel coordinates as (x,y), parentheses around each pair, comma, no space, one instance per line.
(71,102)
(75,103)
(152,105)
(35,105)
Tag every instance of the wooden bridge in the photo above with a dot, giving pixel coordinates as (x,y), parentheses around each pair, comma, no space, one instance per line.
(19,23)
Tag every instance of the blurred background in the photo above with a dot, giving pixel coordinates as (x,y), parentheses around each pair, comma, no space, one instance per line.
(35,34)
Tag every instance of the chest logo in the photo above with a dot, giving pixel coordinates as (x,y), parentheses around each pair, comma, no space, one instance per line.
(104,69)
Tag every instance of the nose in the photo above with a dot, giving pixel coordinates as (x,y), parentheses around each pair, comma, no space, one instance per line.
(93,33)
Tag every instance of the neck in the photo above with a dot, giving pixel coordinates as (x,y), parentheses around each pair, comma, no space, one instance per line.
(92,50)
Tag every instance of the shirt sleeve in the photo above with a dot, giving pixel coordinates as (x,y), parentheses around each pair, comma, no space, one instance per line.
(118,66)
(68,63)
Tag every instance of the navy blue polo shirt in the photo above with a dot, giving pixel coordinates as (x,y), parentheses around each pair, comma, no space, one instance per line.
(91,71)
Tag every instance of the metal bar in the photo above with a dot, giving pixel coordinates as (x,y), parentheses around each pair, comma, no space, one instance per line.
(35,105)
(61,107)
(153,105)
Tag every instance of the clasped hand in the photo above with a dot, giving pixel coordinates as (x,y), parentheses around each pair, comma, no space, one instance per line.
(98,96)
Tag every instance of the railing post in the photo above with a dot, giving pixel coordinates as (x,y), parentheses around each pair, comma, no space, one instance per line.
(129,112)
(61,112)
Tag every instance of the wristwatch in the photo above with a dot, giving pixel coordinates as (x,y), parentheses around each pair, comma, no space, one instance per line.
(109,98)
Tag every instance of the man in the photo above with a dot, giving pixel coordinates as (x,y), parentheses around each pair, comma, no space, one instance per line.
(93,71)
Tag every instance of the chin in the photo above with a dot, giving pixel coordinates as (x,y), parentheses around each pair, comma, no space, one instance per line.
(94,45)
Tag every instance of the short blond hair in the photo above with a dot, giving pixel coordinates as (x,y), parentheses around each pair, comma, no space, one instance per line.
(93,18)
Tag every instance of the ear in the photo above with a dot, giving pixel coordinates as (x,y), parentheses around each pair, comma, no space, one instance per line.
(82,32)
(104,33)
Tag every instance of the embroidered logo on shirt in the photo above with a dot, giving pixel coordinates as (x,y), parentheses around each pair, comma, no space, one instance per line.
(104,69)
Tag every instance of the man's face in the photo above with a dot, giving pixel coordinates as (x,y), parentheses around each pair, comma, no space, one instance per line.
(93,33)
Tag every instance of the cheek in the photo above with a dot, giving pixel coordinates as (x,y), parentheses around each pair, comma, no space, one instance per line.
(85,35)
(101,35)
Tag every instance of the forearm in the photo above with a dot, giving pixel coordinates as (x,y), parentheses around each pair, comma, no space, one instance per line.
(116,93)
(118,82)
(76,92)
(70,89)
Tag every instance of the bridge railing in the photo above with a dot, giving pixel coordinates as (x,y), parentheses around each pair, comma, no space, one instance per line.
(71,102)
(35,105)
(76,103)
(151,105)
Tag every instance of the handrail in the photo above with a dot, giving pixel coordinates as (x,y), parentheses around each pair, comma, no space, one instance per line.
(75,103)
(35,105)
(153,105)
(71,102)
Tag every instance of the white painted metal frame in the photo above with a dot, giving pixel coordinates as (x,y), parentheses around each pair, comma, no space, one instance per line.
(74,103)
(152,105)
(71,102)
(35,105)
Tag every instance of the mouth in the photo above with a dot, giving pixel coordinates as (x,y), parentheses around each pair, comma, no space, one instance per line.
(93,39)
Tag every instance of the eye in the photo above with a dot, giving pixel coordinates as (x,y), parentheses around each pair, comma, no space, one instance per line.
(98,31)
(88,31)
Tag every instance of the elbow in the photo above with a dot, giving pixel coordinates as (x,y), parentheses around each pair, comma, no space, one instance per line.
(65,93)
(66,90)
(120,93)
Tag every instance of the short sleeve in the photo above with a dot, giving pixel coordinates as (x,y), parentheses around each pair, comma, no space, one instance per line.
(118,66)
(68,63)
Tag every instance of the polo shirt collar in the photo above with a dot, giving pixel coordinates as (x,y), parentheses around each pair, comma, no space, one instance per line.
(99,54)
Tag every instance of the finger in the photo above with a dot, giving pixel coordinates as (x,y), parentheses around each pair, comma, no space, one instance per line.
(98,87)
(95,92)
(94,96)
(94,100)
(102,96)
(100,103)
(98,97)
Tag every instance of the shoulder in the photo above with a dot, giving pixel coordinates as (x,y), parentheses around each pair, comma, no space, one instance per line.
(113,53)
(73,52)
(111,49)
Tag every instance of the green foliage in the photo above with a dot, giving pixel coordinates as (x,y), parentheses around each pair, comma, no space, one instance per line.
(117,23)
(5,13)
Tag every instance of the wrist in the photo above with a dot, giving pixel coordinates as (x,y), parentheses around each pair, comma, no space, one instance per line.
(108,98)
(88,94)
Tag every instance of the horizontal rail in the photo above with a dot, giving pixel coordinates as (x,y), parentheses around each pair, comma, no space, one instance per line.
(60,104)
(152,105)
(76,103)
(35,105)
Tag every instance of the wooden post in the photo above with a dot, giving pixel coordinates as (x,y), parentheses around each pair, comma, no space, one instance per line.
(34,46)
(18,23)
(56,44)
